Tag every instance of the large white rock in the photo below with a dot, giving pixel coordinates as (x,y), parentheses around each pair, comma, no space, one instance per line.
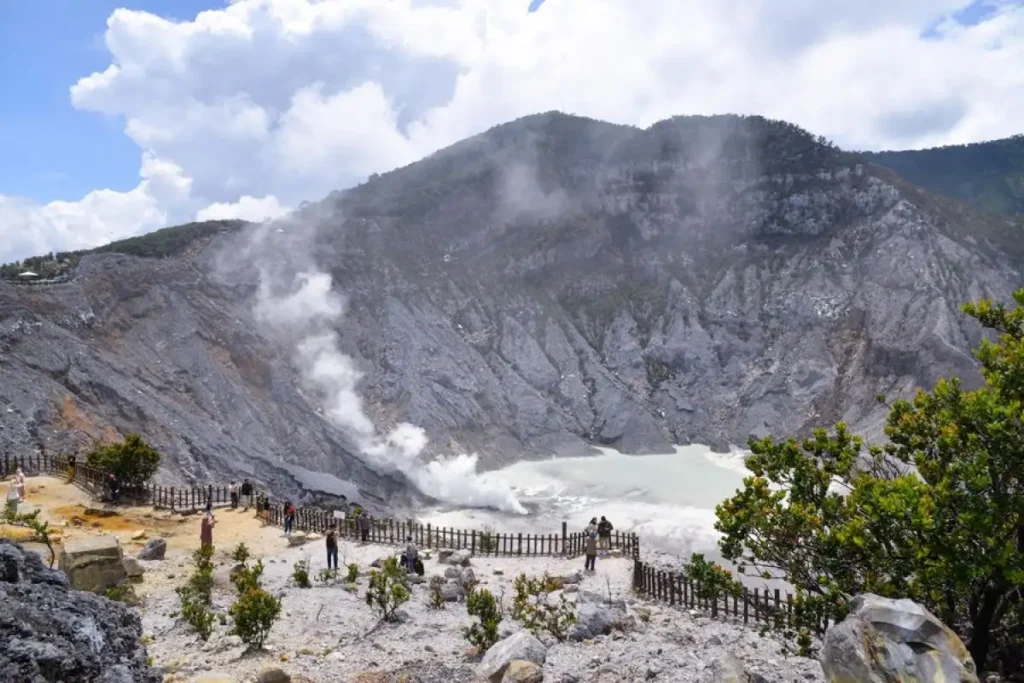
(884,640)
(520,645)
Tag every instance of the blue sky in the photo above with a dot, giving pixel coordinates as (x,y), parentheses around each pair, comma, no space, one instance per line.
(52,151)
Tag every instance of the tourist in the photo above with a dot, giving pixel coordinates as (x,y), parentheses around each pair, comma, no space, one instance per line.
(364,526)
(247,494)
(592,527)
(19,484)
(289,517)
(590,549)
(332,548)
(604,533)
(233,492)
(113,485)
(411,553)
(206,529)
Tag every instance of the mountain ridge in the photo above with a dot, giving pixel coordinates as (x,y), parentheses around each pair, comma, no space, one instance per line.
(553,283)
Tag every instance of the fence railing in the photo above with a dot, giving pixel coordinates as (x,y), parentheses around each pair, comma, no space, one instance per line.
(761,606)
(311,519)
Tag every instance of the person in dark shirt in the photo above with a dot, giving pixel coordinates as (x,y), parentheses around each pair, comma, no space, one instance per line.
(332,549)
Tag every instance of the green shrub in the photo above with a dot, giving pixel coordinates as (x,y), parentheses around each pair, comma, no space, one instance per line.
(247,578)
(240,553)
(435,596)
(480,603)
(353,573)
(327,576)
(195,595)
(254,614)
(487,542)
(710,580)
(387,591)
(133,461)
(300,573)
(533,606)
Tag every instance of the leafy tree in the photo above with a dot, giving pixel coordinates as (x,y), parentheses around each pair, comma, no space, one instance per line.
(934,515)
(133,461)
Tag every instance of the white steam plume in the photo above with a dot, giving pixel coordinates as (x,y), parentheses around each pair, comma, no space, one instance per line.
(306,315)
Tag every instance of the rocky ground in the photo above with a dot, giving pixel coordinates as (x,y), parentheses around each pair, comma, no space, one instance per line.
(327,633)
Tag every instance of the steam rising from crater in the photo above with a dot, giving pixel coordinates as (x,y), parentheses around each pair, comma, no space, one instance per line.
(303,309)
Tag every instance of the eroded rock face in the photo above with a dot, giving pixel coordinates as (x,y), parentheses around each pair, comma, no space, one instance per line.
(894,641)
(54,634)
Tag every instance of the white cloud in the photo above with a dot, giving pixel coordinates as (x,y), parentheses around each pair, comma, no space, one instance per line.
(285,100)
(246,208)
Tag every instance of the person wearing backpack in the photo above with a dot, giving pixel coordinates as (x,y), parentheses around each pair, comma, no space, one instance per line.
(604,534)
(332,548)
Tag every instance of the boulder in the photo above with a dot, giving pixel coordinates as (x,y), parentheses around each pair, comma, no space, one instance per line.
(452,573)
(93,564)
(599,616)
(456,558)
(273,675)
(133,569)
(572,579)
(728,669)
(53,633)
(522,671)
(521,645)
(467,577)
(153,550)
(297,538)
(452,591)
(884,640)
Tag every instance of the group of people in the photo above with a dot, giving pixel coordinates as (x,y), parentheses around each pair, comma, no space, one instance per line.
(246,492)
(598,535)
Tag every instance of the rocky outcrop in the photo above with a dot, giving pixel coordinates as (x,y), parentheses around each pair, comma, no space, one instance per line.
(94,563)
(890,641)
(596,615)
(54,634)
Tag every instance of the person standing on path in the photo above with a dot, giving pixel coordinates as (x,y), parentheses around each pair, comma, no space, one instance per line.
(19,484)
(604,533)
(411,553)
(233,492)
(364,526)
(332,548)
(289,517)
(590,549)
(247,494)
(206,529)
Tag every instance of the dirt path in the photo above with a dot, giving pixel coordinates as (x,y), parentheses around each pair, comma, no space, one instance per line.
(73,514)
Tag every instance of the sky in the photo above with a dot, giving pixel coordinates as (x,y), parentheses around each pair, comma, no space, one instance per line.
(121,117)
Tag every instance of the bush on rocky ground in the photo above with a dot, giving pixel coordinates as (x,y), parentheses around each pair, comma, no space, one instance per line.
(353,573)
(254,610)
(387,591)
(300,573)
(195,595)
(534,606)
(481,603)
(435,592)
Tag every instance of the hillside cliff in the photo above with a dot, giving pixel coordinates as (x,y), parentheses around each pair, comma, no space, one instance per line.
(552,283)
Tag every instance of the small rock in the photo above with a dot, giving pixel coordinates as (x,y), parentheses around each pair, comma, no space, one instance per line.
(153,550)
(133,569)
(297,538)
(522,671)
(467,577)
(139,535)
(520,645)
(452,573)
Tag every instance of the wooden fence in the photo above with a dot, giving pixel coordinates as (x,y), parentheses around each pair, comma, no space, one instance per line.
(762,606)
(382,531)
